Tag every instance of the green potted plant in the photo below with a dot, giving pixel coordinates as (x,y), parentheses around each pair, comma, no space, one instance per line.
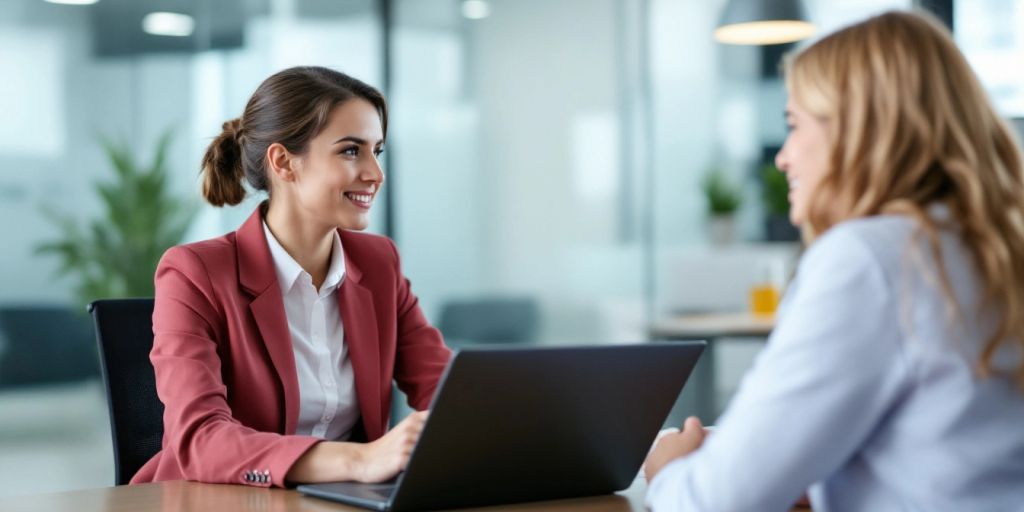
(115,255)
(775,196)
(723,200)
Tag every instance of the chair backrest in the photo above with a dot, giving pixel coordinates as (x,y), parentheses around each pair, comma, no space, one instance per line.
(490,320)
(124,333)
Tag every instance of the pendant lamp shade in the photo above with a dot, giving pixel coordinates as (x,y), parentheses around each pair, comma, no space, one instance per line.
(760,22)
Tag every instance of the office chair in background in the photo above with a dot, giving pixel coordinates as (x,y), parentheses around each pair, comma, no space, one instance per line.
(45,345)
(490,320)
(124,334)
(484,320)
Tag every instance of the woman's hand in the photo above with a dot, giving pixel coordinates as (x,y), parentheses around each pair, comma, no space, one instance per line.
(372,462)
(384,458)
(673,446)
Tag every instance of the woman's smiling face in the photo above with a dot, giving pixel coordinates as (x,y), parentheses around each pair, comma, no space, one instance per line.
(804,158)
(339,175)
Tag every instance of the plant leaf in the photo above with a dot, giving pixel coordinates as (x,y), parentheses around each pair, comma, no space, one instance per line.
(116,254)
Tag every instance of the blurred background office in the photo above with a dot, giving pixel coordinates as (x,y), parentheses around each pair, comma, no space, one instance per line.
(559,171)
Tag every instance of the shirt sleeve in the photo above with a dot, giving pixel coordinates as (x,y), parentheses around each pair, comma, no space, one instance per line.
(831,370)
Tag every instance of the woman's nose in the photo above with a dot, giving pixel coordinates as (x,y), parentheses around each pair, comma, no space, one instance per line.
(781,161)
(373,172)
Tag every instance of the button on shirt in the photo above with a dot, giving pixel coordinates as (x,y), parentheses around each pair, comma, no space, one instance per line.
(327,395)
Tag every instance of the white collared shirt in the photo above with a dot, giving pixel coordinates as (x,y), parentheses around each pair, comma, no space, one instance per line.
(328,408)
(866,392)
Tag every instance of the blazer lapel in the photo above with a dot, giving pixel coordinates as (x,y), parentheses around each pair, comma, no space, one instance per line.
(258,276)
(355,303)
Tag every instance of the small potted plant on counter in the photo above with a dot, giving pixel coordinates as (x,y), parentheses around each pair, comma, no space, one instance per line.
(723,199)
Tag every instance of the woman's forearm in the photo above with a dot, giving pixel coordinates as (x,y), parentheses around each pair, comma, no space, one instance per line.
(328,462)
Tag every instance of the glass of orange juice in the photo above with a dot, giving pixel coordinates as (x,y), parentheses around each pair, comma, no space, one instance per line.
(766,290)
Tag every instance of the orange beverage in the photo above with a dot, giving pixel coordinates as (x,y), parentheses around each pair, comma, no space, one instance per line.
(764,299)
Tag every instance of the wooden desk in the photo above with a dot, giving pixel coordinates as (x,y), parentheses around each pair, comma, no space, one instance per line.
(699,394)
(196,497)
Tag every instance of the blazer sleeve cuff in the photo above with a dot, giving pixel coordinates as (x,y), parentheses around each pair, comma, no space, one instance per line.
(292,448)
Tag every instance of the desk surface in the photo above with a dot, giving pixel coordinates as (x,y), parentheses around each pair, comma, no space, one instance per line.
(196,497)
(713,325)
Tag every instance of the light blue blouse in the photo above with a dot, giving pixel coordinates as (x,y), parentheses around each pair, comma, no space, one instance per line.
(866,393)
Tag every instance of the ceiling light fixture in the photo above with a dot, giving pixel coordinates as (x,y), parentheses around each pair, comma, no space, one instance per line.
(73,2)
(168,24)
(761,22)
(476,9)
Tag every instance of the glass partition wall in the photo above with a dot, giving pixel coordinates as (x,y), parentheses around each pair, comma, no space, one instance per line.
(518,154)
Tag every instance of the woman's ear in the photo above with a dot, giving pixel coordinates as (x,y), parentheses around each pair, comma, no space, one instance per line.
(282,163)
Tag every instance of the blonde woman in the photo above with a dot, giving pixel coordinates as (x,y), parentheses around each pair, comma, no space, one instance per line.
(895,377)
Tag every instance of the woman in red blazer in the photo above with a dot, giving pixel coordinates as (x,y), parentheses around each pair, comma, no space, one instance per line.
(228,339)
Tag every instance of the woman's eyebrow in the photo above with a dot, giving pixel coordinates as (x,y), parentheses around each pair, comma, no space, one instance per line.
(350,138)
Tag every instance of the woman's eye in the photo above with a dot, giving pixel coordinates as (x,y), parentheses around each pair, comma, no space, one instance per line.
(377,152)
(351,151)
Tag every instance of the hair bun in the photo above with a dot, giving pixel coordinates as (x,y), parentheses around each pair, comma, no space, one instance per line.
(222,166)
(233,129)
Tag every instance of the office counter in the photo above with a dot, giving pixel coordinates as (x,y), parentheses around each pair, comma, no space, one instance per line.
(699,393)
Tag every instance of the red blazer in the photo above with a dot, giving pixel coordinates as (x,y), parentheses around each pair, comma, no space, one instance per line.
(225,369)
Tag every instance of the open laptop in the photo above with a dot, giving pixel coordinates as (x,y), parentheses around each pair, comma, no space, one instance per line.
(511,425)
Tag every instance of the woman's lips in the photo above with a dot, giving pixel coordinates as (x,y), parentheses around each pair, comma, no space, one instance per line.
(362,200)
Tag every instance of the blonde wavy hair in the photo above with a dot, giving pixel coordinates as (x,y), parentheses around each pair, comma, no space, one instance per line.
(910,125)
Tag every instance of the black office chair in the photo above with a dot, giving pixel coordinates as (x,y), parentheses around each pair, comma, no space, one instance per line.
(124,333)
